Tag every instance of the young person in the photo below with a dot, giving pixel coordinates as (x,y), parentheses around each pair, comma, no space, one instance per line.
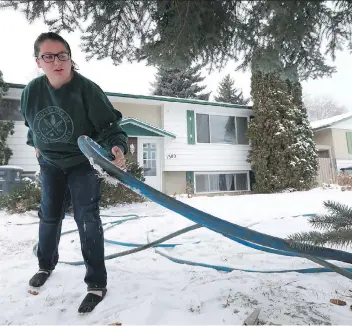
(58,107)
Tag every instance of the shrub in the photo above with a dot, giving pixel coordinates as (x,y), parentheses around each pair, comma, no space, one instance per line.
(6,129)
(344,180)
(27,196)
(22,198)
(112,194)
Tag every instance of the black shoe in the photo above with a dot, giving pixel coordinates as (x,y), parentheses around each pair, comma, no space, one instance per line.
(91,301)
(39,278)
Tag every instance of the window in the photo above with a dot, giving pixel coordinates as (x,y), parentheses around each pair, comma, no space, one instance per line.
(221,129)
(203,134)
(323,154)
(10,110)
(349,142)
(220,182)
(149,159)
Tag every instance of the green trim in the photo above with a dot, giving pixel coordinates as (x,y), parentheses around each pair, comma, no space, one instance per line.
(137,131)
(154,131)
(161,98)
(190,178)
(191,134)
(349,142)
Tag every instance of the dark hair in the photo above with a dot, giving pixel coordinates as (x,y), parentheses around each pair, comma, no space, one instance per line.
(53,37)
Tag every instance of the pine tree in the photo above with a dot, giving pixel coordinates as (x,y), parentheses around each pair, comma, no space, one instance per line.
(169,33)
(228,93)
(182,83)
(282,153)
(336,226)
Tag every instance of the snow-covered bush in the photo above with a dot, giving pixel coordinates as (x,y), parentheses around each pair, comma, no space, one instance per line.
(22,198)
(344,180)
(112,194)
(27,196)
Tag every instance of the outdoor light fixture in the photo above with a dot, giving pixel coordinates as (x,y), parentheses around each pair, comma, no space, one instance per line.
(131,149)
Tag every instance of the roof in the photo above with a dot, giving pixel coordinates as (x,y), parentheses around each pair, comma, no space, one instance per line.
(147,126)
(161,98)
(325,123)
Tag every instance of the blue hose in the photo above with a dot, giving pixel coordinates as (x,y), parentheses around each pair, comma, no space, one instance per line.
(97,155)
(131,244)
(231,269)
(127,252)
(173,245)
(182,261)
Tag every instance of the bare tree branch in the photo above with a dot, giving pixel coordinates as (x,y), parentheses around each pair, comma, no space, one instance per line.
(322,107)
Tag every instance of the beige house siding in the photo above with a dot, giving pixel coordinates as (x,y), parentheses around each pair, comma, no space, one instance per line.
(324,137)
(340,144)
(336,139)
(147,113)
(174,182)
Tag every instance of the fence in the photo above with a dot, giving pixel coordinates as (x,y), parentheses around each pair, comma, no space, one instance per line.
(326,171)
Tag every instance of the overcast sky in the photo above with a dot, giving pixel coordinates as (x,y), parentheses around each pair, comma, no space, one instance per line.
(18,65)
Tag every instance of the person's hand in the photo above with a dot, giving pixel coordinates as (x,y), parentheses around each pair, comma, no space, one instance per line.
(37,153)
(119,160)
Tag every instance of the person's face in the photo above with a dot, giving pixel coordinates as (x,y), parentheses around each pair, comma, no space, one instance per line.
(57,68)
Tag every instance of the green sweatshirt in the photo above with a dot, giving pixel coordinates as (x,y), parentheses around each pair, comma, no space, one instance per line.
(57,117)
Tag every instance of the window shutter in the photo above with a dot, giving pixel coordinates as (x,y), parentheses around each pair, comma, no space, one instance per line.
(190,178)
(190,127)
(349,141)
(251,180)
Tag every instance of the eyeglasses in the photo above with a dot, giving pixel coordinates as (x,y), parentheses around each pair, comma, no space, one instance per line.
(51,57)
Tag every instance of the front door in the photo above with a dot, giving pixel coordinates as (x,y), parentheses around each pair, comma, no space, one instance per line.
(149,159)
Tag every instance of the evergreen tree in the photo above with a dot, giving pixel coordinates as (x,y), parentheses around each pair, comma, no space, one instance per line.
(228,93)
(336,226)
(303,147)
(170,33)
(3,86)
(182,83)
(282,153)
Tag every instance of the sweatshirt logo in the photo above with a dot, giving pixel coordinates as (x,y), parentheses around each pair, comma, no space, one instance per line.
(53,125)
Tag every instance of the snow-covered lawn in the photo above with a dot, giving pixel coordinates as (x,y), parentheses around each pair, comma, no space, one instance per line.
(146,288)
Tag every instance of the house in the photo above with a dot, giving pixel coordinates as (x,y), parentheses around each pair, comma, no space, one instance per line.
(333,137)
(179,142)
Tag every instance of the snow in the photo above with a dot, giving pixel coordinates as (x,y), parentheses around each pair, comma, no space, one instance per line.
(176,99)
(12,167)
(146,288)
(327,122)
(343,164)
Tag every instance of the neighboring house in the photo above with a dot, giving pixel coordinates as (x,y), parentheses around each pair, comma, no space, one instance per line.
(333,137)
(179,142)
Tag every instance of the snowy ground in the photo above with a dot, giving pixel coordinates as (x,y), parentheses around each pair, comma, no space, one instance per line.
(146,288)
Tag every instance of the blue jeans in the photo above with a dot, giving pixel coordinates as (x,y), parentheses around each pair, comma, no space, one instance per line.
(79,185)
